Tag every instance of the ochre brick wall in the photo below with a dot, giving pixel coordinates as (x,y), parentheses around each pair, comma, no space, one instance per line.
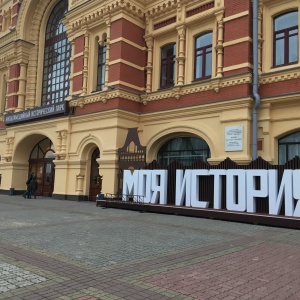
(236,29)
(77,83)
(124,28)
(15,12)
(78,64)
(13,86)
(12,101)
(237,54)
(128,52)
(234,72)
(79,44)
(14,71)
(280,88)
(127,74)
(233,7)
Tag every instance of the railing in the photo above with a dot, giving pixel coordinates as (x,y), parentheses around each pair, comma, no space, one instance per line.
(131,199)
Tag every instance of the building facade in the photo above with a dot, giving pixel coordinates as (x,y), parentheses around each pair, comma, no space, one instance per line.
(76,75)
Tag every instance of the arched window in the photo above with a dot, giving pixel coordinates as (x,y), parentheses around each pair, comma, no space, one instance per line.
(43,149)
(56,57)
(101,65)
(203,56)
(288,147)
(187,150)
(168,58)
(286,39)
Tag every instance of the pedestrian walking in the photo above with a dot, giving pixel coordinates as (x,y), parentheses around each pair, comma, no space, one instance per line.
(27,193)
(33,187)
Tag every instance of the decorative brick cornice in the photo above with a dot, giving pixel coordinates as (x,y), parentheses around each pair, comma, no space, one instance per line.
(207,85)
(7,37)
(165,23)
(93,17)
(104,97)
(279,76)
(200,9)
(18,51)
(175,92)
(162,8)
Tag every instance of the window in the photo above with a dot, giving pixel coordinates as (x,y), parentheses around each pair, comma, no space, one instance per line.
(187,150)
(288,147)
(101,66)
(203,56)
(56,58)
(286,39)
(43,149)
(168,57)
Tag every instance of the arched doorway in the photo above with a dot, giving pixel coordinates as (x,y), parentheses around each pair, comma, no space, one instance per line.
(41,163)
(95,178)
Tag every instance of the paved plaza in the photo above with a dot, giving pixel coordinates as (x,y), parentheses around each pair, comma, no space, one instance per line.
(52,249)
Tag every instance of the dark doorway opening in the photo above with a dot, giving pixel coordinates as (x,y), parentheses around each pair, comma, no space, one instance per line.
(95,178)
(41,163)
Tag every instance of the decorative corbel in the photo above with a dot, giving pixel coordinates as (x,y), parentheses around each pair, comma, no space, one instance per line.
(144,99)
(216,84)
(176,93)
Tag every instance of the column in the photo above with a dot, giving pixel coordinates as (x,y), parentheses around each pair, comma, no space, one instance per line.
(219,46)
(22,87)
(108,30)
(149,67)
(85,62)
(63,151)
(181,54)
(71,68)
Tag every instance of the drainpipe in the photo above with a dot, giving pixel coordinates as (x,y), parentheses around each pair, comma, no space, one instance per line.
(255,79)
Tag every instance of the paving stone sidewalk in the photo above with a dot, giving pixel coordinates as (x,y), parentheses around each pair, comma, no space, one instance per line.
(51,249)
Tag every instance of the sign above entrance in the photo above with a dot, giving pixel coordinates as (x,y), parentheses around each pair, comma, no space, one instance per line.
(36,113)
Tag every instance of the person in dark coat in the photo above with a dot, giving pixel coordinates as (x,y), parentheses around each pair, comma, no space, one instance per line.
(33,187)
(27,193)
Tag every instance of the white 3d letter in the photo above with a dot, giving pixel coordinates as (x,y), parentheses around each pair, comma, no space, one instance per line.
(232,203)
(195,201)
(159,186)
(217,186)
(252,193)
(183,188)
(144,188)
(296,192)
(130,182)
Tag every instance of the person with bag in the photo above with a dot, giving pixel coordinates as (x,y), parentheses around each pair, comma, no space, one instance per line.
(33,187)
(27,193)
